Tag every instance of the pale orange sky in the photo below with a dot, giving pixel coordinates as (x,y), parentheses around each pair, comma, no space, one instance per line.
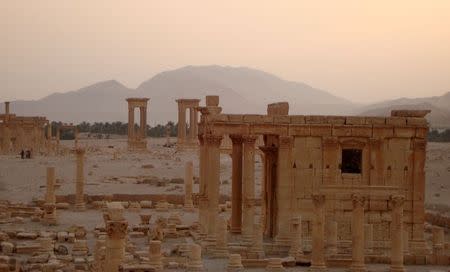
(361,50)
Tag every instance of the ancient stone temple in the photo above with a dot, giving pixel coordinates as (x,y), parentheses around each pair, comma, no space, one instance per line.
(21,132)
(137,137)
(334,172)
(189,140)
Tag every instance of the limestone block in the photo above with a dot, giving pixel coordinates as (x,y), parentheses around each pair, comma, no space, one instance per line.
(315,119)
(212,100)
(252,118)
(300,130)
(281,119)
(7,248)
(378,205)
(362,131)
(335,120)
(355,120)
(237,118)
(404,132)
(297,119)
(372,120)
(415,121)
(382,131)
(341,130)
(396,121)
(320,130)
(421,133)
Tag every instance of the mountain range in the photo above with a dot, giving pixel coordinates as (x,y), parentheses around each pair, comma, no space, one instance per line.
(241,90)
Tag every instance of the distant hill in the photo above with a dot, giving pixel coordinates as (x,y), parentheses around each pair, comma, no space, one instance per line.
(439,106)
(241,90)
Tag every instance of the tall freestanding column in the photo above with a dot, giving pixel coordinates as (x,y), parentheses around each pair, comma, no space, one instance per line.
(318,233)
(283,190)
(181,123)
(188,180)
(236,184)
(137,139)
(116,228)
(213,178)
(79,195)
(358,234)
(397,234)
(50,200)
(203,193)
(130,121)
(248,182)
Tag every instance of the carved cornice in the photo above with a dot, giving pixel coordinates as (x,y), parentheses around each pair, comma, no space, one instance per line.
(353,143)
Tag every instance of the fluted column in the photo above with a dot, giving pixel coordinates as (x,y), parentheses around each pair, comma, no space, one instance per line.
(79,195)
(397,233)
(236,184)
(248,190)
(318,234)
(116,229)
(358,234)
(212,166)
(283,190)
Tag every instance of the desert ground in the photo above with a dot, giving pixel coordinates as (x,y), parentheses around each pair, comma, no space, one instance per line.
(158,171)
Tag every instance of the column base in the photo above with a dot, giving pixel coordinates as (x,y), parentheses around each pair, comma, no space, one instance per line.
(220,253)
(399,268)
(318,268)
(358,268)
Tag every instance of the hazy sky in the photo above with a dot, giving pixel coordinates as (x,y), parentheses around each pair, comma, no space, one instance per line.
(360,50)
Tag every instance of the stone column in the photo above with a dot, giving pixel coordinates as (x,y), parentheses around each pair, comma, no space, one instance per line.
(418,243)
(284,188)
(296,250)
(188,180)
(236,184)
(195,259)
(221,249)
(99,254)
(130,123)
(143,119)
(318,234)
(7,108)
(212,168)
(258,242)
(397,233)
(368,238)
(235,263)
(192,124)
(195,122)
(58,138)
(116,228)
(79,195)
(332,238)
(181,123)
(438,240)
(248,189)
(358,264)
(155,255)
(75,133)
(49,131)
(203,199)
(50,199)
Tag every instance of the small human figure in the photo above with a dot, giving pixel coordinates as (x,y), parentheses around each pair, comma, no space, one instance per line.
(22,154)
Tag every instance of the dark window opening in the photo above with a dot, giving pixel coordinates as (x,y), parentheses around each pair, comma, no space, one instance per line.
(351,161)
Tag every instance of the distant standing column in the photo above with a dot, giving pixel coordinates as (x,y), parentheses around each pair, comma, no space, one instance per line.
(213,178)
(130,123)
(318,234)
(58,136)
(203,197)
(397,234)
(248,181)
(236,185)
(143,119)
(181,124)
(192,125)
(116,228)
(188,180)
(79,196)
(358,234)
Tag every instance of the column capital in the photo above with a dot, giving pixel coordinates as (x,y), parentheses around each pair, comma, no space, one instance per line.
(213,139)
(419,145)
(397,200)
(285,141)
(249,139)
(358,200)
(236,138)
(318,199)
(117,229)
